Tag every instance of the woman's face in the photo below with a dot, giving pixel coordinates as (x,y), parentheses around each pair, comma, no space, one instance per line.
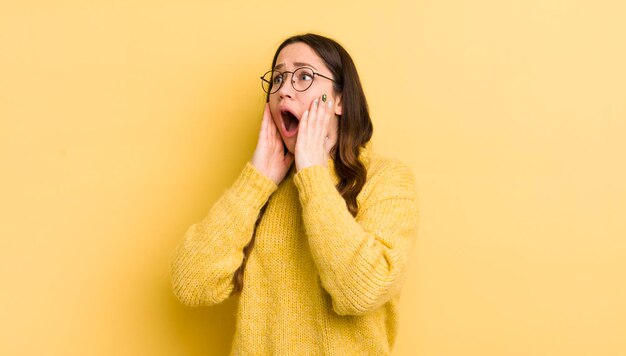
(287,100)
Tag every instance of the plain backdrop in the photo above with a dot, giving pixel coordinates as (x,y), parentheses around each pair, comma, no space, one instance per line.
(121,122)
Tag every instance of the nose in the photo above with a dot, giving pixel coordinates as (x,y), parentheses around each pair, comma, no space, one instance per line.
(286,90)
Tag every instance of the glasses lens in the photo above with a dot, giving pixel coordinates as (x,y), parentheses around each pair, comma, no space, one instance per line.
(302,79)
(268,81)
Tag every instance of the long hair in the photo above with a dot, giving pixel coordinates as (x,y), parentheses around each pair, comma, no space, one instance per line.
(355,125)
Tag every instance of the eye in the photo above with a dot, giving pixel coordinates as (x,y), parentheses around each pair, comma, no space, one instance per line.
(305,75)
(277,78)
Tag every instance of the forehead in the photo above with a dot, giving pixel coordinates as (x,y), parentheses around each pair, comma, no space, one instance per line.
(298,53)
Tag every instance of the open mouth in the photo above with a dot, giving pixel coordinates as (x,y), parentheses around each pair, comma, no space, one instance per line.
(290,121)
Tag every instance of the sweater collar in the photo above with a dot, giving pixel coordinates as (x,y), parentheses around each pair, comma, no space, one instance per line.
(365,156)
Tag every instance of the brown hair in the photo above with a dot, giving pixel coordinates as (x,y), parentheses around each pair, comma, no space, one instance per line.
(238,277)
(355,125)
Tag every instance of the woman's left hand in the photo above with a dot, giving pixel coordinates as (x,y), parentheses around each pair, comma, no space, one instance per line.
(312,146)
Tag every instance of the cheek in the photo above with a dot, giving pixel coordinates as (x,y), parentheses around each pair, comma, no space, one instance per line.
(307,102)
(317,94)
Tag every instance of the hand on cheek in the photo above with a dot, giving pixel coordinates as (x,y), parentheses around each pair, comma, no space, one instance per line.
(269,157)
(313,132)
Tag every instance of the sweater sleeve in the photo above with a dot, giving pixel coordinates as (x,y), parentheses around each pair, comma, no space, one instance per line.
(205,261)
(361,261)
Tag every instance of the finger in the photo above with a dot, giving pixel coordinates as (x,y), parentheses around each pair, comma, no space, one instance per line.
(263,131)
(320,121)
(266,111)
(271,132)
(274,137)
(267,114)
(302,130)
(313,116)
(328,117)
(270,126)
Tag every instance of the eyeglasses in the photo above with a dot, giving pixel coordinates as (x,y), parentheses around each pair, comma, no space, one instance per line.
(301,79)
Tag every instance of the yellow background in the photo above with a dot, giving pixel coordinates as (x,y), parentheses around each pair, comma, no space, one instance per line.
(122,121)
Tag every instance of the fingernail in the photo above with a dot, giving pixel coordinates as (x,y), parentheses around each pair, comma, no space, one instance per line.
(316,101)
(330,103)
(324,98)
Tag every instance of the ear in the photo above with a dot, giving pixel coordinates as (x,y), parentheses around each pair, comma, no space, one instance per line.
(338,105)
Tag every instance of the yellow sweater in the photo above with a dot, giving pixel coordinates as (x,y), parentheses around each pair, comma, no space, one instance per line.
(318,280)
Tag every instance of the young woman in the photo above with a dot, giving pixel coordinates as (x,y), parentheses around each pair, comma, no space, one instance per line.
(316,232)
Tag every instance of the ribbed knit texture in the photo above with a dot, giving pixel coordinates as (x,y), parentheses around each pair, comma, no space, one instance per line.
(318,280)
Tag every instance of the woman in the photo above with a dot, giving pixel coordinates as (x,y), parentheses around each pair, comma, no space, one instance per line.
(316,232)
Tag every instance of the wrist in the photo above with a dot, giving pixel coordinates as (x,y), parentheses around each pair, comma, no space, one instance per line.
(309,163)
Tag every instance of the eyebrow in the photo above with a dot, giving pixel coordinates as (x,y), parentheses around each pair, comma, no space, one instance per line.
(297,64)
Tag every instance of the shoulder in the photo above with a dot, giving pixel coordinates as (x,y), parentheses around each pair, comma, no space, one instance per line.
(388,178)
(382,166)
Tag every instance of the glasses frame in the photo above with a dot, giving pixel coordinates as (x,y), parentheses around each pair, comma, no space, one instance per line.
(273,91)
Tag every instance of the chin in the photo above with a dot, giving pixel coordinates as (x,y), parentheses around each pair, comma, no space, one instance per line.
(290,144)
(291,148)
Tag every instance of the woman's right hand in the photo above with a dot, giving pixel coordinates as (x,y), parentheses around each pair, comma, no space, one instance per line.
(269,157)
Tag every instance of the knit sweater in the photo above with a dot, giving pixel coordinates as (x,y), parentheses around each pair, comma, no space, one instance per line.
(318,281)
